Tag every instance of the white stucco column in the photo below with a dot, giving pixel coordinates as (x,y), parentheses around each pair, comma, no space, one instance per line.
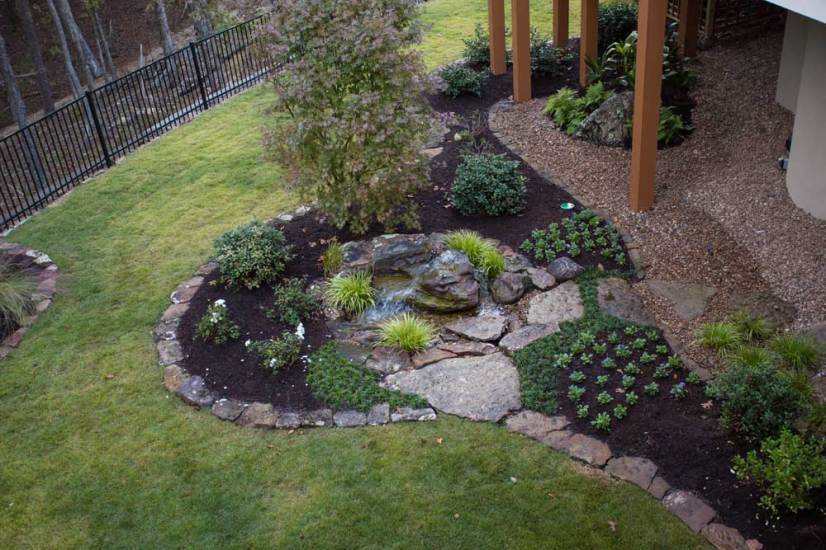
(806,178)
(791,61)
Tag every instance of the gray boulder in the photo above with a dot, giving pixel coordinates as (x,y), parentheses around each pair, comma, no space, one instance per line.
(564,269)
(394,254)
(508,287)
(446,284)
(195,392)
(607,125)
(485,328)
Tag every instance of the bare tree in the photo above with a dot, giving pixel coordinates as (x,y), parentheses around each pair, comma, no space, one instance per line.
(203,18)
(104,51)
(91,69)
(16,104)
(74,81)
(25,13)
(166,34)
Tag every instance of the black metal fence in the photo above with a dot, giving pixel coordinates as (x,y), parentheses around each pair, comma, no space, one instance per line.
(47,158)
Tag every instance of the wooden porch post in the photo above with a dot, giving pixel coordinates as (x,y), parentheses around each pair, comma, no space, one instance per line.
(689,27)
(496,30)
(588,38)
(520,19)
(647,90)
(560,22)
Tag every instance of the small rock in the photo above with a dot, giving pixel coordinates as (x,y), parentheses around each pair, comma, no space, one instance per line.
(515,263)
(348,419)
(173,377)
(637,470)
(258,415)
(227,409)
(659,487)
(432,152)
(288,421)
(379,414)
(169,352)
(694,512)
(167,330)
(523,337)
(463,347)
(753,544)
(431,355)
(508,287)
(535,425)
(564,269)
(723,537)
(195,392)
(318,418)
(562,303)
(408,414)
(540,278)
(484,328)
(389,360)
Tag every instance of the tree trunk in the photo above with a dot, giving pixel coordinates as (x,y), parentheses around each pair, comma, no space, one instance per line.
(166,34)
(18,108)
(91,67)
(77,90)
(42,77)
(200,13)
(103,48)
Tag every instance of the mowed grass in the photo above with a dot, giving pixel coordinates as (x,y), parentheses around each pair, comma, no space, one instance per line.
(95,453)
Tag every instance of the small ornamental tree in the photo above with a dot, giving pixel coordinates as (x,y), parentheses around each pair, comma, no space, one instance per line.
(351,83)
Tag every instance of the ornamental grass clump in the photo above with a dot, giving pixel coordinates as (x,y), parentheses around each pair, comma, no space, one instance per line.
(251,255)
(16,300)
(407,332)
(351,293)
(333,258)
(483,255)
(797,352)
(719,336)
(351,83)
(488,184)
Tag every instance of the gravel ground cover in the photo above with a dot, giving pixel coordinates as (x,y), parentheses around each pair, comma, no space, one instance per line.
(723,217)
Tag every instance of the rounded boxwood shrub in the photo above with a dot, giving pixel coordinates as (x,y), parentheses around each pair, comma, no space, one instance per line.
(251,254)
(461,80)
(488,184)
(617,20)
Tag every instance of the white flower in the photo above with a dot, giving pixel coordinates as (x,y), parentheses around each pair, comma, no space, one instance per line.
(220,302)
(299,330)
(247,343)
(272,362)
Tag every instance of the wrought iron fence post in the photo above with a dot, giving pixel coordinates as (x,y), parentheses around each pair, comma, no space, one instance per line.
(193,51)
(90,101)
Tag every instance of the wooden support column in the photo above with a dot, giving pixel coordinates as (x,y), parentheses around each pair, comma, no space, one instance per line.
(521,33)
(647,90)
(588,38)
(496,31)
(689,27)
(560,22)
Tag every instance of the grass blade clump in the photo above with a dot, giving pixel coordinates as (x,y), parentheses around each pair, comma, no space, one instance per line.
(752,328)
(719,336)
(333,258)
(15,298)
(351,293)
(797,352)
(481,253)
(407,332)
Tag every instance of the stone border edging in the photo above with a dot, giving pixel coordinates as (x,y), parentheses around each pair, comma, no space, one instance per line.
(46,288)
(193,391)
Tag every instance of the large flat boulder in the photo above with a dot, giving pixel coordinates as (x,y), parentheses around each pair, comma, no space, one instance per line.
(617,298)
(399,253)
(446,284)
(562,303)
(479,388)
(485,328)
(608,123)
(525,336)
(689,299)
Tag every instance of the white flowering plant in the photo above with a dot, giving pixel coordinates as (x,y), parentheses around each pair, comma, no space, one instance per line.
(216,326)
(277,353)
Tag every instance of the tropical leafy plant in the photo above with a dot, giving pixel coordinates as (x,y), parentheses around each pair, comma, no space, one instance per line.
(351,293)
(407,332)
(671,126)
(617,19)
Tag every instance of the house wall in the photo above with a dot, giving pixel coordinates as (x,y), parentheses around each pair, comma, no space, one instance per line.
(791,60)
(806,177)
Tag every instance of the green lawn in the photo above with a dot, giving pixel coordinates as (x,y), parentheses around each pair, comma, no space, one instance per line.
(95,453)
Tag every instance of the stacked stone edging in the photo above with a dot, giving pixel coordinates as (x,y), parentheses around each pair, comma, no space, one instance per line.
(46,288)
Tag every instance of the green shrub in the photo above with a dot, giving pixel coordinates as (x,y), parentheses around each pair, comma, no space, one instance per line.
(252,254)
(797,352)
(757,400)
(215,326)
(616,20)
(277,353)
(546,58)
(671,126)
(339,382)
(481,253)
(488,184)
(333,258)
(583,231)
(568,111)
(719,336)
(16,300)
(291,304)
(462,80)
(407,332)
(351,293)
(356,113)
(752,328)
(788,469)
(477,48)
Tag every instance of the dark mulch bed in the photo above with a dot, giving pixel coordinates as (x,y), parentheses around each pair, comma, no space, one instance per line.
(232,372)
(691,449)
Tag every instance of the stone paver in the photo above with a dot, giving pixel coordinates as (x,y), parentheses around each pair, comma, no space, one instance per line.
(693,511)
(429,356)
(617,298)
(540,278)
(227,409)
(535,425)
(485,328)
(379,414)
(593,451)
(318,417)
(347,419)
(639,471)
(659,487)
(562,303)
(258,415)
(480,388)
(468,348)
(408,414)
(689,299)
(195,392)
(173,377)
(525,336)
(723,537)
